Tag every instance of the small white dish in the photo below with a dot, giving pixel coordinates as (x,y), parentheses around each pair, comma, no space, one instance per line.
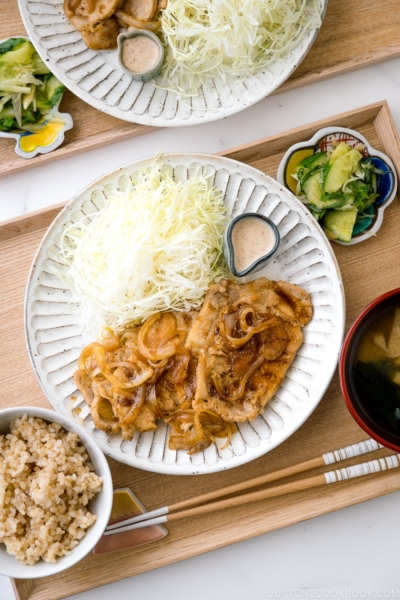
(100,505)
(149,73)
(322,140)
(58,140)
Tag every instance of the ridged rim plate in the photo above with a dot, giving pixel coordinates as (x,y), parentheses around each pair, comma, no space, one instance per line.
(304,257)
(97,78)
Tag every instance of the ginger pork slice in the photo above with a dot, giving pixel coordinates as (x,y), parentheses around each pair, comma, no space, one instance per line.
(259,389)
(85,14)
(201,333)
(102,35)
(142,10)
(239,370)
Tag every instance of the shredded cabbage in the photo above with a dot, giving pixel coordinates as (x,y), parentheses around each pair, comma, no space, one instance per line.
(157,246)
(222,38)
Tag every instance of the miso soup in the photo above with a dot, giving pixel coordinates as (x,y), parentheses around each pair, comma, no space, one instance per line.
(375,371)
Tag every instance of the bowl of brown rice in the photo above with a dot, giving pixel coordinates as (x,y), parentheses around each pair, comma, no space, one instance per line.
(56,492)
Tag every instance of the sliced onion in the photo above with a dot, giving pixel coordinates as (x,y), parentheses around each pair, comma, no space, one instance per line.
(86,352)
(136,406)
(158,365)
(243,313)
(141,370)
(129,21)
(192,437)
(109,342)
(164,350)
(99,421)
(100,356)
(236,342)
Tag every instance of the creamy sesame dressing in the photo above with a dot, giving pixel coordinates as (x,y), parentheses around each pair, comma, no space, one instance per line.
(252,238)
(140,54)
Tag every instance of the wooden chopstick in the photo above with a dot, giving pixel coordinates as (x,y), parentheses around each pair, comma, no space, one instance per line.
(319,461)
(366,468)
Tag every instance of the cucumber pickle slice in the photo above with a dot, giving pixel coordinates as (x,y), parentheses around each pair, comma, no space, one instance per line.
(339,224)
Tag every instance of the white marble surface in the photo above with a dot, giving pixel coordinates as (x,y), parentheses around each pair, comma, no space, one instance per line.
(348,554)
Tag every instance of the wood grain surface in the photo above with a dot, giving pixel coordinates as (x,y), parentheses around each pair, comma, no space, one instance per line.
(368,270)
(355,33)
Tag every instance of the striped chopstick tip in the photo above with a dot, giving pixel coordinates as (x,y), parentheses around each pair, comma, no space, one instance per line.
(367,468)
(351,451)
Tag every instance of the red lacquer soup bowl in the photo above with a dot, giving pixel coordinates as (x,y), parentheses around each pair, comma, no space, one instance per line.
(370,372)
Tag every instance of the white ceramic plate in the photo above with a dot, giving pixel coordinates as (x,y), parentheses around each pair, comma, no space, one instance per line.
(97,78)
(55,338)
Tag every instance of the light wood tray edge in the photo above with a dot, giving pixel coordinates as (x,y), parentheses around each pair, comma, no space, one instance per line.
(349,495)
(97,140)
(379,111)
(132,130)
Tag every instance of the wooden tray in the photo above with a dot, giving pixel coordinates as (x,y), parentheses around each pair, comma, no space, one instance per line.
(330,426)
(355,33)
